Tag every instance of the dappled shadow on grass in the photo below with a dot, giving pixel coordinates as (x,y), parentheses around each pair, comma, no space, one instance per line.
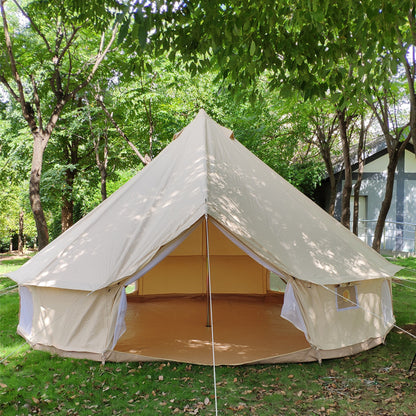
(374,382)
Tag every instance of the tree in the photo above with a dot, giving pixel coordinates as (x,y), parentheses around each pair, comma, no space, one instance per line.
(325,128)
(45,81)
(385,106)
(362,137)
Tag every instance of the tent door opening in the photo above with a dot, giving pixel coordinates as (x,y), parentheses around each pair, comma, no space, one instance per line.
(167,313)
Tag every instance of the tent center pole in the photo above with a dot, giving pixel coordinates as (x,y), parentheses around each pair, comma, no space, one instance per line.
(209,316)
(208,282)
(208,325)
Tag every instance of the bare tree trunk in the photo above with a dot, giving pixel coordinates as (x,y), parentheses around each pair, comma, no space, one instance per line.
(67,208)
(21,239)
(385,206)
(103,175)
(346,190)
(149,115)
(332,183)
(102,165)
(409,64)
(385,113)
(357,186)
(332,194)
(70,150)
(34,189)
(325,135)
(67,213)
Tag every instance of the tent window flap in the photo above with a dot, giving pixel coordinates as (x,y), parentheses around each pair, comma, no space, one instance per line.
(347,297)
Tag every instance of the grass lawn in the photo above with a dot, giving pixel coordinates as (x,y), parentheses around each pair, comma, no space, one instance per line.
(375,382)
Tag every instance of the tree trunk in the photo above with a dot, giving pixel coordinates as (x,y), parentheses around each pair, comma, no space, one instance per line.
(67,208)
(103,174)
(70,150)
(102,164)
(409,64)
(346,190)
(332,183)
(21,239)
(325,134)
(34,189)
(357,186)
(148,109)
(385,206)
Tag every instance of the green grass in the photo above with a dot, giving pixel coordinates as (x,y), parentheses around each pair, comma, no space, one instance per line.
(7,266)
(374,382)
(404,297)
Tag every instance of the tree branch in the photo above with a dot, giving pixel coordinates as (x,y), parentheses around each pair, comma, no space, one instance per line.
(145,159)
(15,74)
(34,25)
(37,101)
(100,56)
(3,80)
(68,44)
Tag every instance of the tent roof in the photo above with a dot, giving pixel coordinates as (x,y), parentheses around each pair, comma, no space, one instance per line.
(204,171)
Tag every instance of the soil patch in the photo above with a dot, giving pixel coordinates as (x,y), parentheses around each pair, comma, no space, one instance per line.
(13,256)
(409,328)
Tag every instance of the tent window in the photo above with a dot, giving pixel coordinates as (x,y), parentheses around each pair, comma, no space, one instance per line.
(347,297)
(276,283)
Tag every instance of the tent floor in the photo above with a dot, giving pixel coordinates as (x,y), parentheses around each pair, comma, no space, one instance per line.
(246,329)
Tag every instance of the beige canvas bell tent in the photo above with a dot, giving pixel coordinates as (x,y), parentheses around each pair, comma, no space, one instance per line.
(206,232)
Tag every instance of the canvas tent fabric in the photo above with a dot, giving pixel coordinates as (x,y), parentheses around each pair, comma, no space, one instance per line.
(205,173)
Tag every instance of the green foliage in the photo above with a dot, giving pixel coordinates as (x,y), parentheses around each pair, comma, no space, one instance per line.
(14,163)
(242,63)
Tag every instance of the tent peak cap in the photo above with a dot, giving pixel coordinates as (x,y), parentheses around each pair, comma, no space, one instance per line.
(209,124)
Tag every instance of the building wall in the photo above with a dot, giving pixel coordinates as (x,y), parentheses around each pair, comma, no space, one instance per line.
(398,237)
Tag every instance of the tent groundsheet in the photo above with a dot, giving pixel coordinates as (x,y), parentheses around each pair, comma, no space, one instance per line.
(247,329)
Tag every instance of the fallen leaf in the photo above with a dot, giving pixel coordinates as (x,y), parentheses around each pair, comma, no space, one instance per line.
(206,401)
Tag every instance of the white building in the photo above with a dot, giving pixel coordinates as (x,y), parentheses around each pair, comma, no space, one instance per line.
(400,227)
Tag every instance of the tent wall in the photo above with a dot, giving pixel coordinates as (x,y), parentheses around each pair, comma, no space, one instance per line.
(329,327)
(184,271)
(70,320)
